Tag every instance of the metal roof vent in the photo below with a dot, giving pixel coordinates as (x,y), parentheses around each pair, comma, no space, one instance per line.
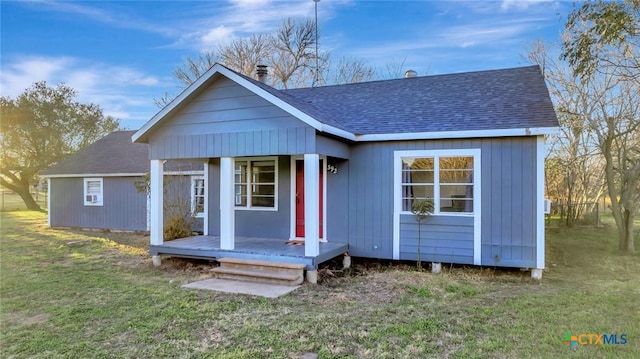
(410,73)
(262,73)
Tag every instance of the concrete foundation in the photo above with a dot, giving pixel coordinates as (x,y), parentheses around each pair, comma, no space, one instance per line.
(312,276)
(536,273)
(157,260)
(436,267)
(346,261)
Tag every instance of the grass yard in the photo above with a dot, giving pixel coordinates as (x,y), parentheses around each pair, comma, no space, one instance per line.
(11,201)
(67,294)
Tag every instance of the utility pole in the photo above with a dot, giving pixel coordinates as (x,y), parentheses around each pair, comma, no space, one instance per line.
(317,77)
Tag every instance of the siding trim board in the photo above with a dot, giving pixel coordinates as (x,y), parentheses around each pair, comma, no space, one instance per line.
(540,203)
(400,225)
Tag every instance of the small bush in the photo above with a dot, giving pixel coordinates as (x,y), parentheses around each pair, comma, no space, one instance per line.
(178,226)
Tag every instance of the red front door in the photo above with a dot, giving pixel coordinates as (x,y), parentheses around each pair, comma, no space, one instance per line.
(300,199)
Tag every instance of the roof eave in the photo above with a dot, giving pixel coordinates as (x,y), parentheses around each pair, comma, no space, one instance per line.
(78,175)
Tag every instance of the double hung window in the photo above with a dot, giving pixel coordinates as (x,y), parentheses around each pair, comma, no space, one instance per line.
(256,183)
(447,180)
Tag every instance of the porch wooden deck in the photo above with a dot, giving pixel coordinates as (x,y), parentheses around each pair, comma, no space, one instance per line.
(268,249)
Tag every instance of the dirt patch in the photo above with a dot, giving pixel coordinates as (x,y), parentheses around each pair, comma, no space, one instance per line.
(26,319)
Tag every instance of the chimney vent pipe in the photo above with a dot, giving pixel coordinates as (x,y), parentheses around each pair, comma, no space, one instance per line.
(410,73)
(262,73)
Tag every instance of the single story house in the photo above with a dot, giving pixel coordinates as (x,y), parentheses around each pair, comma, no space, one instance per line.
(102,186)
(339,167)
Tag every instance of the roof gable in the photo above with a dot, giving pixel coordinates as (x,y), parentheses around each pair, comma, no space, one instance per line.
(270,94)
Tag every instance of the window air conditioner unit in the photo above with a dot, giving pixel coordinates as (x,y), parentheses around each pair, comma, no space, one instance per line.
(93,198)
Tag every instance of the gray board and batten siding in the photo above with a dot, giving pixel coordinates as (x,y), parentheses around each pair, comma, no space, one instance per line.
(276,224)
(508,190)
(360,201)
(254,222)
(123,208)
(226,119)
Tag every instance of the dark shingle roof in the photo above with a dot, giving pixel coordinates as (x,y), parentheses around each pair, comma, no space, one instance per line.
(484,100)
(300,103)
(113,154)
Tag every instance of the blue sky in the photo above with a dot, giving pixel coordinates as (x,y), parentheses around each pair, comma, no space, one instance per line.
(120,55)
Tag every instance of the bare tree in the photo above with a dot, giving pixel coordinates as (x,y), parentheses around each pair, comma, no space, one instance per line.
(289,52)
(293,61)
(193,68)
(244,54)
(187,73)
(352,70)
(574,164)
(616,123)
(395,68)
(602,44)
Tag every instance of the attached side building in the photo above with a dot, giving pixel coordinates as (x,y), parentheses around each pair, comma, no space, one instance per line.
(99,187)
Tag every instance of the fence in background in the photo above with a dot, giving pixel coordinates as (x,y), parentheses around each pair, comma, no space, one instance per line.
(11,201)
(582,214)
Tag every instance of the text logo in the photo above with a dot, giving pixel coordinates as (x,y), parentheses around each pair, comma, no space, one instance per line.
(594,339)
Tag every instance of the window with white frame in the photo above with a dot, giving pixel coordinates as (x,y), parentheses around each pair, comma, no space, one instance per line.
(93,191)
(447,180)
(255,183)
(197,196)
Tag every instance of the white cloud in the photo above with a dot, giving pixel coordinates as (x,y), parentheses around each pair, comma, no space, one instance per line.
(16,77)
(123,92)
(215,36)
(520,4)
(213,23)
(118,18)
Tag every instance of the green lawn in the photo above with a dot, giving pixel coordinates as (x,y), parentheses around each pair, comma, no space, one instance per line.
(10,201)
(72,294)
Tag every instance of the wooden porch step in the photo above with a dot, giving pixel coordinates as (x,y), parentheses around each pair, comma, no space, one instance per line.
(255,262)
(260,271)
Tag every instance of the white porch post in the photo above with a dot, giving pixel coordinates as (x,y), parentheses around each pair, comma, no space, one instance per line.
(227,207)
(205,224)
(311,205)
(156,202)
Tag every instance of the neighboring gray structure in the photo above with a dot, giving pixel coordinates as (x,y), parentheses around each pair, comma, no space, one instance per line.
(473,143)
(96,187)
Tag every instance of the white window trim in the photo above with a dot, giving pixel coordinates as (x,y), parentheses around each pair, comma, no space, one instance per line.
(477,195)
(100,197)
(193,196)
(276,180)
(436,155)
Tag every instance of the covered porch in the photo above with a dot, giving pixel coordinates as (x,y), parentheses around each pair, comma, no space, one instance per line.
(293,208)
(265,249)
